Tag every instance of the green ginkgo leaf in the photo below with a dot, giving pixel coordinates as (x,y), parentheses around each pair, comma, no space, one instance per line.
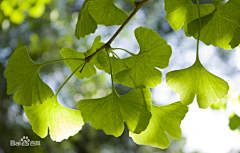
(23,74)
(89,69)
(196,80)
(61,121)
(85,24)
(106,12)
(108,113)
(220,28)
(165,119)
(154,52)
(182,12)
(234,122)
(118,65)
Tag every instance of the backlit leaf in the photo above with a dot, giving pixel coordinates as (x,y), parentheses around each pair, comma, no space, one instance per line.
(182,12)
(196,80)
(165,119)
(154,52)
(105,12)
(89,69)
(86,24)
(62,122)
(220,28)
(108,113)
(23,74)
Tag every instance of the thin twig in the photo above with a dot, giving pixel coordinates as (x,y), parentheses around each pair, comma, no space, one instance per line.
(107,45)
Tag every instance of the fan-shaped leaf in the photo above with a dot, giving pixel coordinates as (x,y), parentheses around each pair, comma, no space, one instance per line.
(108,113)
(105,12)
(154,52)
(196,80)
(164,119)
(62,122)
(23,73)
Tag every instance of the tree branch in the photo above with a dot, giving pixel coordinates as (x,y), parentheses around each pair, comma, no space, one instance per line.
(107,45)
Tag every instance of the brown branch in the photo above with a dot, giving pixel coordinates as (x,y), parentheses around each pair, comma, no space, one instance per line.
(107,45)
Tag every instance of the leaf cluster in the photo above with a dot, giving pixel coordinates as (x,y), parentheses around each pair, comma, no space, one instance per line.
(218,25)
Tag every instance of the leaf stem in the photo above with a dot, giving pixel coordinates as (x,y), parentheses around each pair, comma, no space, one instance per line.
(135,85)
(70,77)
(119,59)
(113,88)
(123,50)
(107,45)
(199,30)
(61,60)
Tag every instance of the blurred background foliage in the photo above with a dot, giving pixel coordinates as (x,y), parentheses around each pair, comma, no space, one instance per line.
(46,26)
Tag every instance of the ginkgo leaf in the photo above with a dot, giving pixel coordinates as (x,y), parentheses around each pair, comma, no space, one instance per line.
(196,80)
(89,69)
(165,119)
(23,74)
(234,122)
(106,12)
(182,12)
(62,122)
(108,113)
(154,52)
(117,64)
(85,24)
(220,28)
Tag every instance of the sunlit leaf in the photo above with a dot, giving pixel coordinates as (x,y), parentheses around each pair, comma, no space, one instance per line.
(117,64)
(108,113)
(23,74)
(181,12)
(196,80)
(89,69)
(105,12)
(220,28)
(165,119)
(154,52)
(62,122)
(86,24)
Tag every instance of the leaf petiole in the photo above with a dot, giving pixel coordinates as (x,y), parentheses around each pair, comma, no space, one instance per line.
(123,50)
(113,89)
(199,30)
(59,60)
(69,78)
(119,59)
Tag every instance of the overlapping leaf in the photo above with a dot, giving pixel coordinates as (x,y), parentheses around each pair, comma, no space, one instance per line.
(62,122)
(182,12)
(108,113)
(154,52)
(23,74)
(220,28)
(118,65)
(89,69)
(196,80)
(105,12)
(86,24)
(164,119)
